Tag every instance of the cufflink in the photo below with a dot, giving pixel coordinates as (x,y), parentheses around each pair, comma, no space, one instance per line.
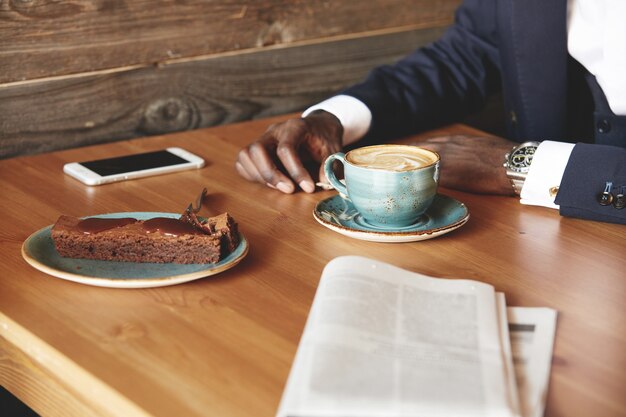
(606,198)
(553,191)
(620,199)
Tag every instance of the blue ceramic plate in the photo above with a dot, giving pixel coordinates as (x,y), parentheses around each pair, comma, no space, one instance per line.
(444,215)
(38,250)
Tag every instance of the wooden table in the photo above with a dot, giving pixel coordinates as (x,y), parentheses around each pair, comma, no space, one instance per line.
(223,345)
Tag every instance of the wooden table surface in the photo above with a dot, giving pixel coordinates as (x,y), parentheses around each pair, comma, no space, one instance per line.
(223,345)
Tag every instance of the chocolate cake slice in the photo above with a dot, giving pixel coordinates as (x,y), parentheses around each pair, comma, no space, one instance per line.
(159,240)
(223,224)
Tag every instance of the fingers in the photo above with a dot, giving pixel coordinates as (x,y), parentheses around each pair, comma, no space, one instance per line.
(322,177)
(250,177)
(245,167)
(325,154)
(287,152)
(268,172)
(254,163)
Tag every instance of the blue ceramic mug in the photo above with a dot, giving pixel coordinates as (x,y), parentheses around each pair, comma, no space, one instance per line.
(390,186)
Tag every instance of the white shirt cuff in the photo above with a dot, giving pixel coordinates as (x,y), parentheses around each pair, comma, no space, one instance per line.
(545,173)
(353,114)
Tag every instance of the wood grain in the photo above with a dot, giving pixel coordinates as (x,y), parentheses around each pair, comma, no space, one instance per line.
(78,111)
(41,38)
(223,346)
(41,382)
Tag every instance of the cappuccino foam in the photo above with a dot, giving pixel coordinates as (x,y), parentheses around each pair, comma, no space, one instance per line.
(391,157)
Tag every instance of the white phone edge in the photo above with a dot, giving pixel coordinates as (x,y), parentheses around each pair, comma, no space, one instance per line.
(88,177)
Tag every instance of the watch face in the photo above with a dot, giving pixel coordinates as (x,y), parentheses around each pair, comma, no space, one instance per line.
(521,158)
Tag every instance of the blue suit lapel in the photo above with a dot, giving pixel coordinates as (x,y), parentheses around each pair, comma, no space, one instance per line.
(534,64)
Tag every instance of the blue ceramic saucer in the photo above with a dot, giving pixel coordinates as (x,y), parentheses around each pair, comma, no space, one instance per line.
(444,215)
(38,250)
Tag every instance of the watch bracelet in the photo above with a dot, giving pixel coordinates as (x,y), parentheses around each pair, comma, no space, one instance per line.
(515,178)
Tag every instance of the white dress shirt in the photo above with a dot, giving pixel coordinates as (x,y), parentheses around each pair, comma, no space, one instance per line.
(596,34)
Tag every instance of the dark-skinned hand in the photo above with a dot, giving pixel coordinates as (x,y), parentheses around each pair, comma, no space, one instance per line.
(472,163)
(275,159)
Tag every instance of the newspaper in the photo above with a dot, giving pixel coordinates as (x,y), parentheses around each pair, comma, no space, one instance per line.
(383,341)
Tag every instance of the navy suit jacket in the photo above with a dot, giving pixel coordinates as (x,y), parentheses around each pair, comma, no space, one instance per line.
(518,48)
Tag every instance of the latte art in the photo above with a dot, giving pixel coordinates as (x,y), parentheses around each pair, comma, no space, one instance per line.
(391,158)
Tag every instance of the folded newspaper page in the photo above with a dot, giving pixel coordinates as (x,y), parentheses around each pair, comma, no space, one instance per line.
(383,341)
(507,352)
(532,330)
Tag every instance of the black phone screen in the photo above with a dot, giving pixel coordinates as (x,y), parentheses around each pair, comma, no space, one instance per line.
(136,162)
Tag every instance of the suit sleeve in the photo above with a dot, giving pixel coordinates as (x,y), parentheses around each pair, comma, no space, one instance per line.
(588,170)
(439,83)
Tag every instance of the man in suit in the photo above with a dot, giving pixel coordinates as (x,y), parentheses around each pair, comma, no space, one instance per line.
(560,66)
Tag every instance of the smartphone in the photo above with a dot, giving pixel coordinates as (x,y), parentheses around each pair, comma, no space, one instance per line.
(103,171)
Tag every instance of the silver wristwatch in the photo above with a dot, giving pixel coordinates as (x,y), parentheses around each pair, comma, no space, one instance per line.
(517,163)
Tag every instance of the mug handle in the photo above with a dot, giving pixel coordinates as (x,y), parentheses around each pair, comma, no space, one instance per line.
(330,174)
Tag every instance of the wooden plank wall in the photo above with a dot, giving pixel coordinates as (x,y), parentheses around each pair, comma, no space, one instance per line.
(79,72)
